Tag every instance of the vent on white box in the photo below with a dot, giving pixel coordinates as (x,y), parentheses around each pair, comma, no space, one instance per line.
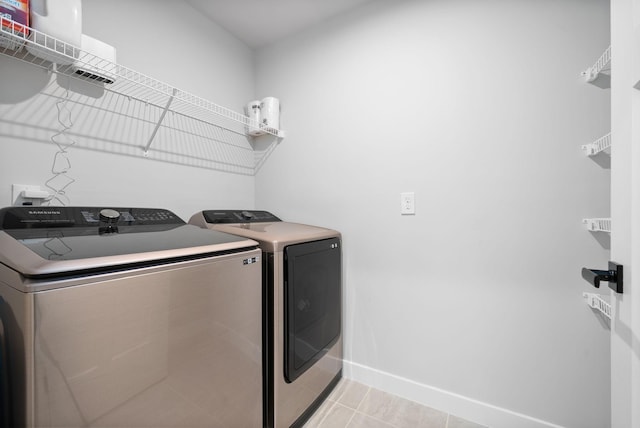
(96,61)
(93,76)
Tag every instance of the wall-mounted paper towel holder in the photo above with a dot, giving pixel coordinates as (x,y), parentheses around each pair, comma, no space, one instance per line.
(613,276)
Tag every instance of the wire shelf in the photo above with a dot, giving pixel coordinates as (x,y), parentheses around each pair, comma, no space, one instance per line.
(596,301)
(597,224)
(591,73)
(174,110)
(600,145)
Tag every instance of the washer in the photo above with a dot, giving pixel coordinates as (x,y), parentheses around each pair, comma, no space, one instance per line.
(302,297)
(128,317)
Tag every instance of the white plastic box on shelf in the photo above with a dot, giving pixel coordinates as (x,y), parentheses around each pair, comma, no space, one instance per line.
(135,86)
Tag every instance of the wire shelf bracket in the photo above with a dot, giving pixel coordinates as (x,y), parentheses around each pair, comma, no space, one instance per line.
(596,301)
(155,130)
(597,224)
(592,73)
(600,145)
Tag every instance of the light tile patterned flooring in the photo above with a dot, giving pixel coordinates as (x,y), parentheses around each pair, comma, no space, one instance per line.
(354,405)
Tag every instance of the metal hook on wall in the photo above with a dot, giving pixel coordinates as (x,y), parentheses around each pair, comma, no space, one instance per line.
(613,276)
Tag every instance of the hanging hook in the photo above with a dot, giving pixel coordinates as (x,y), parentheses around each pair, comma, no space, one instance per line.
(613,276)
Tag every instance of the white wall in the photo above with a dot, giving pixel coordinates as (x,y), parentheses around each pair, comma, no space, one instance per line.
(168,41)
(474,305)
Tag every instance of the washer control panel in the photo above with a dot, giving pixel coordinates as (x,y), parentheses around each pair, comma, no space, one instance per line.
(47,217)
(238,216)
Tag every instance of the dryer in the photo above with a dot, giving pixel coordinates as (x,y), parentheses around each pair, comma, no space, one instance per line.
(128,317)
(302,297)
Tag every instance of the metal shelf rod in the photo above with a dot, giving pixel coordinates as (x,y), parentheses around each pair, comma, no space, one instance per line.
(155,130)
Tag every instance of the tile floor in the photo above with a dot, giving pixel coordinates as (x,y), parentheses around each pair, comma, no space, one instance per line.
(354,405)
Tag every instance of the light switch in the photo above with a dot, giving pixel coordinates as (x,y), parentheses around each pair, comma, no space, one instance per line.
(407,203)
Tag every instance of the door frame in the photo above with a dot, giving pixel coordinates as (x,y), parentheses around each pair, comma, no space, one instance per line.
(625,211)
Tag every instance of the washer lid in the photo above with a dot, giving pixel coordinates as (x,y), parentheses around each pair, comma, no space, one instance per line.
(37,241)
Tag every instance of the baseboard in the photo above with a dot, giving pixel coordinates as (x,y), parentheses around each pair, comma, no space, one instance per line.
(446,401)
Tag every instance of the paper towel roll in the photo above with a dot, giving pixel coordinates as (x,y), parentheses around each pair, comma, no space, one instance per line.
(252,110)
(270,113)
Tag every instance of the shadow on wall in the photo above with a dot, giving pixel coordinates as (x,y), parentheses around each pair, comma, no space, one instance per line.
(625,331)
(603,81)
(34,107)
(603,238)
(602,159)
(21,82)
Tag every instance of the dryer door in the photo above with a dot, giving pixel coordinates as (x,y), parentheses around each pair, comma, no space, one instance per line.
(312,290)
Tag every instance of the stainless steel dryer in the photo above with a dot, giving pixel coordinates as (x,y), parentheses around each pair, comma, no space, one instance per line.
(128,317)
(302,277)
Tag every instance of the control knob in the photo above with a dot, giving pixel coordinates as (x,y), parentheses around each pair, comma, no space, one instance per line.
(109,216)
(108,220)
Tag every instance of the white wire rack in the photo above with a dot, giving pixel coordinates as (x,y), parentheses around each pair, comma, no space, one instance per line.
(600,145)
(591,73)
(187,111)
(597,302)
(597,224)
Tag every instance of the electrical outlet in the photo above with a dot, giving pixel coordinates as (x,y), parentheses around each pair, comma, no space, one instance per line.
(407,203)
(26,194)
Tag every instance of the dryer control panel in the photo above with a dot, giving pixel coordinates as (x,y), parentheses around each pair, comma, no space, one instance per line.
(238,216)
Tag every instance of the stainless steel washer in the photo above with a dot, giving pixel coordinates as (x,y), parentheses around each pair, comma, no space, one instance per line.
(128,317)
(302,308)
